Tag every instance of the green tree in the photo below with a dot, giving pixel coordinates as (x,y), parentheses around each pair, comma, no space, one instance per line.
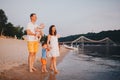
(9,31)
(3,21)
(43,39)
(25,32)
(13,31)
(19,32)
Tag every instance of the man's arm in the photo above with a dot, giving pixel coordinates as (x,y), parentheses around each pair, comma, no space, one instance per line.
(30,33)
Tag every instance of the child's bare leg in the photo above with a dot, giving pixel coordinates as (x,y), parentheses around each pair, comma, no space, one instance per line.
(42,68)
(45,69)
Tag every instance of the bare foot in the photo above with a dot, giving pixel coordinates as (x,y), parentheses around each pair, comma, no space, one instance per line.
(31,70)
(51,69)
(42,71)
(34,69)
(46,70)
(56,71)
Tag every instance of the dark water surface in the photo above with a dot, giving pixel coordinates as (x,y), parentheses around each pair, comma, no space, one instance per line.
(83,67)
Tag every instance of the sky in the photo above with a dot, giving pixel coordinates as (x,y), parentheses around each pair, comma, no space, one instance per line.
(70,16)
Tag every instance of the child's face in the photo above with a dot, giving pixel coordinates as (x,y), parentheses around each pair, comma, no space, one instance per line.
(42,25)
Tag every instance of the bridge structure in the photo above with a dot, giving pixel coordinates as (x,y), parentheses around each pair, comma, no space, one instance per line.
(82,41)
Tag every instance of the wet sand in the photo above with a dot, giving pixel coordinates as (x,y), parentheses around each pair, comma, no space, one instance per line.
(13,61)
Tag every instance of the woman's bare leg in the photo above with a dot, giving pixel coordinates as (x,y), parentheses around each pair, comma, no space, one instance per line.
(54,65)
(51,64)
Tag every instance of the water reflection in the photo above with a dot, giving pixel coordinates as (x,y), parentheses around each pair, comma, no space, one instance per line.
(48,76)
(52,76)
(84,67)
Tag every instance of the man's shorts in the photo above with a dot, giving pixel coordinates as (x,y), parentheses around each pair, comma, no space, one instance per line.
(43,61)
(33,46)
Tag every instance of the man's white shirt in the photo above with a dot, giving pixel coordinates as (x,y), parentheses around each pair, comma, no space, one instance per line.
(31,26)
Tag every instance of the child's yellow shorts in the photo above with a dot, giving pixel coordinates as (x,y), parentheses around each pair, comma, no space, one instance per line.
(43,61)
(33,46)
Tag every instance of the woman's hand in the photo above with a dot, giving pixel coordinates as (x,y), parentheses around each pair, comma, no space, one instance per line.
(58,35)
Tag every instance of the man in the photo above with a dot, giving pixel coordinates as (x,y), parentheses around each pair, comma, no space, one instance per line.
(32,41)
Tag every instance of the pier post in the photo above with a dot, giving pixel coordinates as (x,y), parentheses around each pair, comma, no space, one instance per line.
(82,40)
(107,47)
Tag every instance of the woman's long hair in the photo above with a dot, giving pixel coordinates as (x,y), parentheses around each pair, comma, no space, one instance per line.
(50,30)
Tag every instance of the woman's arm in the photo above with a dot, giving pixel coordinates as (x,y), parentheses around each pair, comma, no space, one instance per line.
(48,41)
(58,36)
(47,52)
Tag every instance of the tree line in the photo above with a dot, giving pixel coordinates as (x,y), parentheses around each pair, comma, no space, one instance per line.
(112,34)
(8,29)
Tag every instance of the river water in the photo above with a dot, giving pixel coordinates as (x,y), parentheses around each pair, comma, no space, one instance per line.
(83,67)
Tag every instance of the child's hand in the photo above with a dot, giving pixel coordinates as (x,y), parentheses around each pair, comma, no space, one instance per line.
(37,35)
(37,29)
(42,25)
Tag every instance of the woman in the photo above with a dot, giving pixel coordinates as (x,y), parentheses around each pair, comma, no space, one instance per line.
(54,48)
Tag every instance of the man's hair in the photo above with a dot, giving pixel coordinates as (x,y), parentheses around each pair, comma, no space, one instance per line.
(32,14)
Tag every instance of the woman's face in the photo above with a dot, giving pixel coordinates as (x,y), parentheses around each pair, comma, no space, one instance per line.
(53,29)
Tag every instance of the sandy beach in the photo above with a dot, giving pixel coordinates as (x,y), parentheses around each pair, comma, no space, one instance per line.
(71,64)
(14,64)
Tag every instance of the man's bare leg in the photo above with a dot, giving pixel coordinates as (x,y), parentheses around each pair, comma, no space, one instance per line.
(30,61)
(34,57)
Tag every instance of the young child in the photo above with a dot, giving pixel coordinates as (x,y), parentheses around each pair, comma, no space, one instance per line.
(44,57)
(39,32)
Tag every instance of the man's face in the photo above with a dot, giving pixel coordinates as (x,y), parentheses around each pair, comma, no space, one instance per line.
(34,18)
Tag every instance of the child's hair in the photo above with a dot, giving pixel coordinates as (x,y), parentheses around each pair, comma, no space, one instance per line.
(44,43)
